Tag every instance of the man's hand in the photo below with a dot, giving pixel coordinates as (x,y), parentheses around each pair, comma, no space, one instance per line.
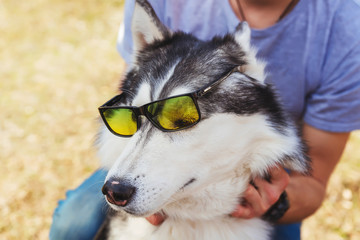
(262,195)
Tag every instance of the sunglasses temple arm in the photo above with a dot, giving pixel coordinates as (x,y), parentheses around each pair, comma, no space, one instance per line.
(112,101)
(206,89)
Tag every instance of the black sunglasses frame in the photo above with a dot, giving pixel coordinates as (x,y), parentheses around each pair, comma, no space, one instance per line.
(138,111)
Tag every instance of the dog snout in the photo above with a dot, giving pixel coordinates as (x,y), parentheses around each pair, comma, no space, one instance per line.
(118,192)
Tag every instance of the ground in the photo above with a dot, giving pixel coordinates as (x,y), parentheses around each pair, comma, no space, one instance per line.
(58,63)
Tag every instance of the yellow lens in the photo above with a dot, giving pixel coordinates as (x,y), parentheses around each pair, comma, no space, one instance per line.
(174,113)
(121,121)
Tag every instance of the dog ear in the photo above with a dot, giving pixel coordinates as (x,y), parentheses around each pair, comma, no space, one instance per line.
(254,67)
(146,26)
(242,35)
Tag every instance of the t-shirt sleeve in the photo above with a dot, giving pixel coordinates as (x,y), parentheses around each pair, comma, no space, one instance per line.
(124,40)
(335,104)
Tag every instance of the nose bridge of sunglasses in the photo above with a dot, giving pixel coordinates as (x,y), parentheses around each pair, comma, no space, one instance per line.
(141,114)
(141,111)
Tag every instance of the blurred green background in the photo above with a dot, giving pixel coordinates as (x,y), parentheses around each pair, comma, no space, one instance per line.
(58,63)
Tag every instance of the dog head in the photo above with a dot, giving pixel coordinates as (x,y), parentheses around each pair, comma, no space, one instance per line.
(199,172)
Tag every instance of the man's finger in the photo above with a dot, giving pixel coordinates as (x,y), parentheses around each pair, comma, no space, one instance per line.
(270,192)
(245,209)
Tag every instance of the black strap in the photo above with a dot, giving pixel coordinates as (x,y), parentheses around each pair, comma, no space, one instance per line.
(277,210)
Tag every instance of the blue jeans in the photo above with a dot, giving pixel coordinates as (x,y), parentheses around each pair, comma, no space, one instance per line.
(83,211)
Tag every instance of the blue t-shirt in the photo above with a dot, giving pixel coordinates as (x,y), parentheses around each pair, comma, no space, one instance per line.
(312,54)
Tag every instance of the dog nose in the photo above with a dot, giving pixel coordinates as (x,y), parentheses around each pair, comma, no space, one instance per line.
(118,192)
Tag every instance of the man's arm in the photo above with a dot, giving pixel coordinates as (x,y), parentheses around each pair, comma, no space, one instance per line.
(306,193)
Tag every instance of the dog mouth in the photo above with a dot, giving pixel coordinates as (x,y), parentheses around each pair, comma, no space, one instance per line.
(129,210)
(188,183)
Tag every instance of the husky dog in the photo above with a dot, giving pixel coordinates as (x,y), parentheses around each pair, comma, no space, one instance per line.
(193,159)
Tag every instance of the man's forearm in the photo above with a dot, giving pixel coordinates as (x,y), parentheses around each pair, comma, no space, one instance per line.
(305,195)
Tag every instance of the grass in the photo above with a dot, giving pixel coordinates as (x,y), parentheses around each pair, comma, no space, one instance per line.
(58,62)
(339,216)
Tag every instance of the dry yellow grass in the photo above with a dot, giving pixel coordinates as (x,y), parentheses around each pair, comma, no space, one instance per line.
(339,217)
(58,62)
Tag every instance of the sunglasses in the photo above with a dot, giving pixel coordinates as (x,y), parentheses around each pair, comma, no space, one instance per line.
(169,114)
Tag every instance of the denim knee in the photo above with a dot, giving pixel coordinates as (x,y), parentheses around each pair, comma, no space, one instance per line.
(83,211)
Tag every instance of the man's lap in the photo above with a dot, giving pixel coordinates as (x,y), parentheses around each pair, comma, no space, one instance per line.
(81,214)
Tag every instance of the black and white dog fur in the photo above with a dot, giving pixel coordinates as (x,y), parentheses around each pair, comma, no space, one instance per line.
(197,176)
